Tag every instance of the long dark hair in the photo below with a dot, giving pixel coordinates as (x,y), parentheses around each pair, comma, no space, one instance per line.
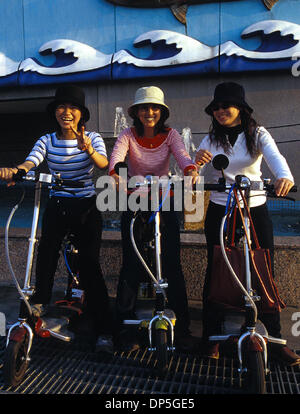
(217,133)
(160,127)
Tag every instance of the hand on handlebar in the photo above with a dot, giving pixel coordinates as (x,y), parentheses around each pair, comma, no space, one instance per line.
(120,183)
(6,174)
(203,157)
(194,176)
(282,186)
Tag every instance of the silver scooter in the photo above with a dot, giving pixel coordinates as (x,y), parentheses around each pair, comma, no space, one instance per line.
(159,321)
(20,335)
(251,344)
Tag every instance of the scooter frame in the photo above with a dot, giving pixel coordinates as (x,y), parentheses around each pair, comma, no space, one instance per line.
(164,318)
(27,325)
(27,291)
(159,284)
(257,340)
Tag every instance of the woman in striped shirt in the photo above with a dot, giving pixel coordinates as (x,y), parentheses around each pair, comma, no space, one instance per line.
(72,152)
(149,145)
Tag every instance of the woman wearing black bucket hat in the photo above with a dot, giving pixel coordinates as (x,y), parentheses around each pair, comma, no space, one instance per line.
(235,133)
(73,152)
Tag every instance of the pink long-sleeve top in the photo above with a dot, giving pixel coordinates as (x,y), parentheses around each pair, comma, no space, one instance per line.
(150,156)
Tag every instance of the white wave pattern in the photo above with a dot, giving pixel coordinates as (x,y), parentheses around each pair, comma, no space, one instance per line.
(87,57)
(267,27)
(195,51)
(7,66)
(191,51)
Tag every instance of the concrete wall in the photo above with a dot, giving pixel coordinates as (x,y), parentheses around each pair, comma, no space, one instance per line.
(193,258)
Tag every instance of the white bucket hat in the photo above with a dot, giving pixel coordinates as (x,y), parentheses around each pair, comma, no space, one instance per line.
(148,95)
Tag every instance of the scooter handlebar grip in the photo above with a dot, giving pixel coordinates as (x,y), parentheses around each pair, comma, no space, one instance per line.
(214,187)
(72,183)
(19,175)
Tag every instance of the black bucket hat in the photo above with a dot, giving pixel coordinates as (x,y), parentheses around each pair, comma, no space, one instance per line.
(70,94)
(229,92)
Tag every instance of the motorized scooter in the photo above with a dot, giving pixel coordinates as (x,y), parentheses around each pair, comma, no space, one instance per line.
(59,316)
(158,320)
(251,334)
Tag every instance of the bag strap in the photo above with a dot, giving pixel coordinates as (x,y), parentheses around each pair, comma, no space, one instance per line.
(255,238)
(233,226)
(251,221)
(229,223)
(249,245)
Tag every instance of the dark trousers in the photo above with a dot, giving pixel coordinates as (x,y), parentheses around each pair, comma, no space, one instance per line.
(264,230)
(133,272)
(81,217)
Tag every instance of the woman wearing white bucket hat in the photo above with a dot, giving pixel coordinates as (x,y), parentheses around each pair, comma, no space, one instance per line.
(149,145)
(149,95)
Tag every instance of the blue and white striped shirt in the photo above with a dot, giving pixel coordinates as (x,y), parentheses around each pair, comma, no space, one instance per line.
(65,158)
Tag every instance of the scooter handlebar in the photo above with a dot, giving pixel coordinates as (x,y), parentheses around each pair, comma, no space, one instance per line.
(221,186)
(271,189)
(50,179)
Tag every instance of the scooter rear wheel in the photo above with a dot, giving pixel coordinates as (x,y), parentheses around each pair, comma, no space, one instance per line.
(161,351)
(15,362)
(255,382)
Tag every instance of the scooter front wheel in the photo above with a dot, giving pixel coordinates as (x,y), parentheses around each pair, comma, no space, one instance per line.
(161,351)
(15,362)
(255,382)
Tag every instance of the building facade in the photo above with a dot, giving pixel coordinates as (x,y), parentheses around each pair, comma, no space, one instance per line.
(112,47)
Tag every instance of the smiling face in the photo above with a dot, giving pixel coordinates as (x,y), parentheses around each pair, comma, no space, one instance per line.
(149,115)
(67,116)
(227,115)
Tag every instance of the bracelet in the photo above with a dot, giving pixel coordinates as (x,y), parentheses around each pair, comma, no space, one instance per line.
(92,153)
(190,168)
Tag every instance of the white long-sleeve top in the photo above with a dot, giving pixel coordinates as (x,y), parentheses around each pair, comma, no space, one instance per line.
(241,162)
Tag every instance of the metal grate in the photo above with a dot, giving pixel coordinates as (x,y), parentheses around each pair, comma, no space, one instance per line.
(60,368)
(284,207)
